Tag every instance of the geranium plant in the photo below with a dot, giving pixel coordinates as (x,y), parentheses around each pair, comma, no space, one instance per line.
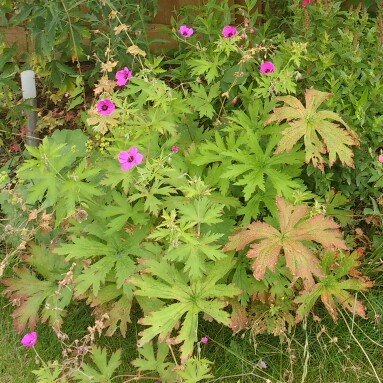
(187,195)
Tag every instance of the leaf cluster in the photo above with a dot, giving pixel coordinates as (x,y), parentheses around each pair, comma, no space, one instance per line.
(322,274)
(46,297)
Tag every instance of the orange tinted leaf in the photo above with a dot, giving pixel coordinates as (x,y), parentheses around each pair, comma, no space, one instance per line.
(333,287)
(315,98)
(320,136)
(289,215)
(239,320)
(294,229)
(266,254)
(301,262)
(322,230)
(254,231)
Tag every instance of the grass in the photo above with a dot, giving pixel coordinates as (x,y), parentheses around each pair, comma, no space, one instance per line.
(348,352)
(16,362)
(331,357)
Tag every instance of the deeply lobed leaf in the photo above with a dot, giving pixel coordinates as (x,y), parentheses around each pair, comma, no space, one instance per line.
(320,136)
(191,298)
(295,231)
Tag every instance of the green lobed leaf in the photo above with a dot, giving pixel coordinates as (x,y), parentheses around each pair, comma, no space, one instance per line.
(320,136)
(148,361)
(101,370)
(166,282)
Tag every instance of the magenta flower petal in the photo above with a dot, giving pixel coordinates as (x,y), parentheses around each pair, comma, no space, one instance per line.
(123,157)
(133,151)
(123,76)
(105,107)
(174,148)
(29,339)
(380,158)
(204,339)
(130,158)
(267,67)
(137,158)
(185,31)
(229,31)
(127,165)
(305,3)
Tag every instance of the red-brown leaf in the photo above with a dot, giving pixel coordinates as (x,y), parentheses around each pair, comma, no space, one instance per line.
(295,228)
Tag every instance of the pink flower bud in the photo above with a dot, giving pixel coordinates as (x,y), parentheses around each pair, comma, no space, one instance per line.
(380,158)
(29,340)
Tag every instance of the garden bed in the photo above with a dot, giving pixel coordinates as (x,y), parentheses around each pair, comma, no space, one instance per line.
(212,212)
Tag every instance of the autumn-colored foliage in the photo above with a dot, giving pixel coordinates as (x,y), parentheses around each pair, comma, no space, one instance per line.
(320,136)
(297,229)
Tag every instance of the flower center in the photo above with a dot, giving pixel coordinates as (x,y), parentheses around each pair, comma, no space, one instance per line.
(229,34)
(130,159)
(184,33)
(126,76)
(104,107)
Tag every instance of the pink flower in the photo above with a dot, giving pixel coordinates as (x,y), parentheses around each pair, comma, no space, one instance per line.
(204,339)
(29,339)
(185,31)
(262,364)
(174,148)
(380,158)
(130,158)
(267,67)
(305,3)
(122,76)
(229,31)
(105,107)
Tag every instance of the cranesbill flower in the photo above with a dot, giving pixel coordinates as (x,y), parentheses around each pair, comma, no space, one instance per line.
(262,364)
(229,31)
(380,158)
(267,67)
(185,31)
(29,339)
(130,158)
(174,148)
(105,107)
(204,339)
(305,3)
(122,76)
